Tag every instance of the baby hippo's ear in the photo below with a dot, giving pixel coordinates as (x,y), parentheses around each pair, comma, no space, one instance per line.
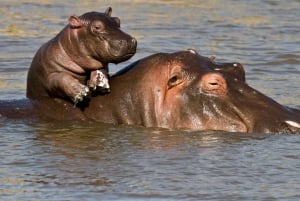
(108,11)
(117,20)
(75,22)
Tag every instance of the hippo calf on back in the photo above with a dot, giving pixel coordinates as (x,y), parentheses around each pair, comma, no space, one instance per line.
(77,58)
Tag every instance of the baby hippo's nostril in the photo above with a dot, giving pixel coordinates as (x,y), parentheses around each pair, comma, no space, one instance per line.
(213,83)
(133,43)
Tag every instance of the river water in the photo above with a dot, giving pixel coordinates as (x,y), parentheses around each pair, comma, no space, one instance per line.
(89,161)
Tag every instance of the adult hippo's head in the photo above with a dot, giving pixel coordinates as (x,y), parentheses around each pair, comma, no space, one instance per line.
(100,36)
(184,90)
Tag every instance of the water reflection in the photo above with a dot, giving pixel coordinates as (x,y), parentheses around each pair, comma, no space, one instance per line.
(83,138)
(129,162)
(106,157)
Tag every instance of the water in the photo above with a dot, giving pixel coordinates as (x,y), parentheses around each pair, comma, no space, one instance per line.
(89,161)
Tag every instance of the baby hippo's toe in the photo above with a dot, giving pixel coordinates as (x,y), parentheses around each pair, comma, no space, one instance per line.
(83,92)
(99,81)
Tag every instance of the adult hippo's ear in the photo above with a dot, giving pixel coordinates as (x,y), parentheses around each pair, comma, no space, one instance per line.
(75,22)
(108,11)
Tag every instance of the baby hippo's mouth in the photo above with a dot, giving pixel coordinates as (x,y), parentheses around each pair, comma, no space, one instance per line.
(120,58)
(122,54)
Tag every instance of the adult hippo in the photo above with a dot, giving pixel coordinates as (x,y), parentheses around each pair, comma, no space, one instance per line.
(181,90)
(78,56)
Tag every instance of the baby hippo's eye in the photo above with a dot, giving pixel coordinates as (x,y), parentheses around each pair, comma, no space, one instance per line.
(98,27)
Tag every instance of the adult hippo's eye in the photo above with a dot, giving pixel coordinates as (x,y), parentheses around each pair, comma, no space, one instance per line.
(176,75)
(174,80)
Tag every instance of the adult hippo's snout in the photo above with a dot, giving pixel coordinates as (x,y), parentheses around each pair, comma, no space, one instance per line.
(256,111)
(240,107)
(259,112)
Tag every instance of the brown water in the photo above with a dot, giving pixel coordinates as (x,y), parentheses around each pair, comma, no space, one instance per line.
(89,161)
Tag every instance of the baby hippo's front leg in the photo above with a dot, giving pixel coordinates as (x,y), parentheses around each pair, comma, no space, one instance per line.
(99,80)
(62,84)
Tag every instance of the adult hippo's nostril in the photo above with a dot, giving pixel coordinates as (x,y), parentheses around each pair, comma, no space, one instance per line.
(213,83)
(236,70)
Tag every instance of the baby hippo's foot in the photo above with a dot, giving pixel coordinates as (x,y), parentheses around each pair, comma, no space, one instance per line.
(82,92)
(99,81)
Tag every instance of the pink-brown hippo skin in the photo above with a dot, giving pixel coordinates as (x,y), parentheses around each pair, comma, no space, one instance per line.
(77,58)
(184,90)
(181,90)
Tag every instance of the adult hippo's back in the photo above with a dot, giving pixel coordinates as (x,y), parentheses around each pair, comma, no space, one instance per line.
(181,90)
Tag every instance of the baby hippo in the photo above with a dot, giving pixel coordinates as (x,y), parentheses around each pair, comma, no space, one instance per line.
(77,58)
